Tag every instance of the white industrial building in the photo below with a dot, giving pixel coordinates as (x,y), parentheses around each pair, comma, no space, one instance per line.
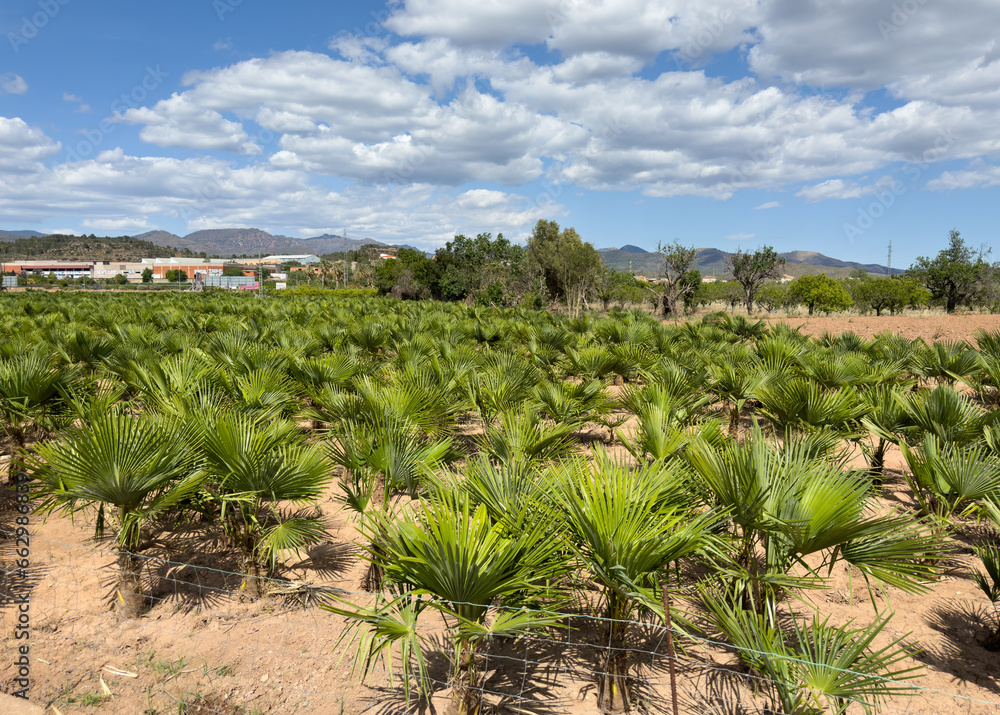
(309,258)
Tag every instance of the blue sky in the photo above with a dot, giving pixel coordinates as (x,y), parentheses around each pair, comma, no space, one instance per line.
(827,125)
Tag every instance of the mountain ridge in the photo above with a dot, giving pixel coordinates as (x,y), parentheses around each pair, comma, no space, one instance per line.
(711,262)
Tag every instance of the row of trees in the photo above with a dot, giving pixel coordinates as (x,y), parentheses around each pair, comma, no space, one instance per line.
(958,276)
(861,292)
(556,265)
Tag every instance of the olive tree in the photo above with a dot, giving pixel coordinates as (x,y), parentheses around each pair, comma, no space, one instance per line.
(752,270)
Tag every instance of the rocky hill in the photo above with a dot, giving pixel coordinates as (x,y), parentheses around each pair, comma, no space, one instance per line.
(252,242)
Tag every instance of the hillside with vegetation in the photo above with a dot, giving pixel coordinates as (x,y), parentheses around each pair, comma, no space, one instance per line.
(59,247)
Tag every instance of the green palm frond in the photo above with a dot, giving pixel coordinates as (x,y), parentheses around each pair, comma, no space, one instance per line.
(944,478)
(943,413)
(289,533)
(816,667)
(803,404)
(524,436)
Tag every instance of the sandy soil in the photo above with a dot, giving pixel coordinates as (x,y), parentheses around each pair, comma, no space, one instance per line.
(928,327)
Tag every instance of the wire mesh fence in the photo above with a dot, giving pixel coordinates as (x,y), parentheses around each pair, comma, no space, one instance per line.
(201,648)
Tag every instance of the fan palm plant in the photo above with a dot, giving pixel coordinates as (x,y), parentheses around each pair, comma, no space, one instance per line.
(33,394)
(736,381)
(946,361)
(503,382)
(252,465)
(127,469)
(944,414)
(574,403)
(803,404)
(945,478)
(814,667)
(989,584)
(884,419)
(625,527)
(524,436)
(512,492)
(379,459)
(449,558)
(785,504)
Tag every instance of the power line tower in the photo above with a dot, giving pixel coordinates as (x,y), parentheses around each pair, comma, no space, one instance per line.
(889,262)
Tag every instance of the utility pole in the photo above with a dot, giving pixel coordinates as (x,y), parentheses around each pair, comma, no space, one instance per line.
(889,266)
(345,257)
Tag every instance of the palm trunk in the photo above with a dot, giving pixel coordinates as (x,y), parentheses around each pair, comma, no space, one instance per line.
(253,582)
(877,468)
(734,421)
(242,532)
(129,601)
(16,463)
(466,698)
(613,680)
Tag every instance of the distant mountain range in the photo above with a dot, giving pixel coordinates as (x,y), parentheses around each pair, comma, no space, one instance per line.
(252,242)
(711,262)
(9,236)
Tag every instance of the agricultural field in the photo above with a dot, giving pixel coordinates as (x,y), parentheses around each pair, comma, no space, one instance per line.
(315,505)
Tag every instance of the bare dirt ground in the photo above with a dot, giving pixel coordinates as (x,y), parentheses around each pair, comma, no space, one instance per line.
(929,327)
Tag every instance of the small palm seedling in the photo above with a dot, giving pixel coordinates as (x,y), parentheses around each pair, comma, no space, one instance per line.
(815,668)
(451,559)
(625,527)
(251,467)
(129,470)
(989,584)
